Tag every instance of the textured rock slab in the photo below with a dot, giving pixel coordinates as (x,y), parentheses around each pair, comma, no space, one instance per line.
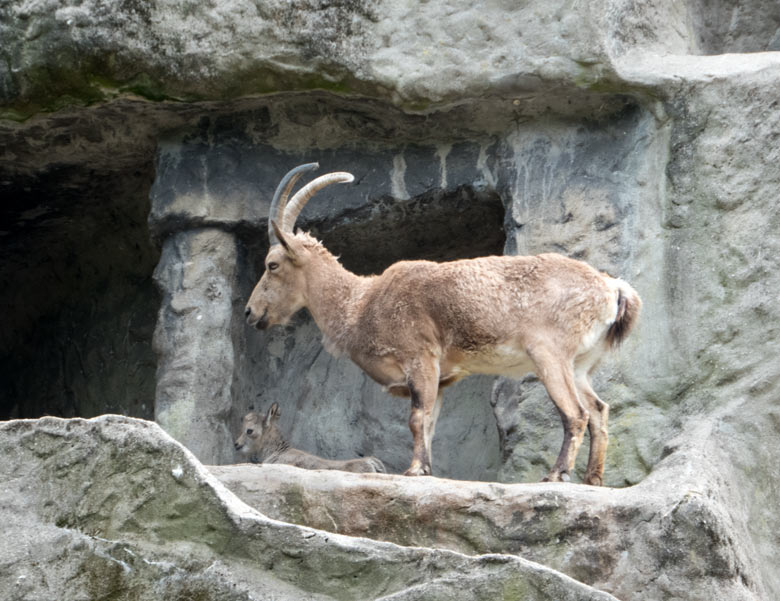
(58,53)
(416,54)
(675,535)
(114,508)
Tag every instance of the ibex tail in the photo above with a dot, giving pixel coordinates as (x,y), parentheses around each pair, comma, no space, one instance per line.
(629,307)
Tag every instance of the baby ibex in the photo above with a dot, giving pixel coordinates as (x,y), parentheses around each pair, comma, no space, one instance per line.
(421,326)
(262,441)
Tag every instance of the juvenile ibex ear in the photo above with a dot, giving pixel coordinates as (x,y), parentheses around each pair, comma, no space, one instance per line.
(284,242)
(273,412)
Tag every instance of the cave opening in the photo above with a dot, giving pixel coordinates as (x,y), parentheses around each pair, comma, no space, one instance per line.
(79,304)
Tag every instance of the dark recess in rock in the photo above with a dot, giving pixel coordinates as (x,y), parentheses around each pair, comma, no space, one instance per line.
(436,226)
(78,303)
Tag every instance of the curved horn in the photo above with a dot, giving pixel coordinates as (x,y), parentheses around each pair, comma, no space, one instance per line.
(302,196)
(280,197)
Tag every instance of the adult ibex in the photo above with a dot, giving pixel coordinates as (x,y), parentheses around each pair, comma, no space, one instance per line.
(421,326)
(262,441)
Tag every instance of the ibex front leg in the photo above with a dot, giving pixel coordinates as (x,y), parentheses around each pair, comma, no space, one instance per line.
(424,389)
(557,375)
(430,425)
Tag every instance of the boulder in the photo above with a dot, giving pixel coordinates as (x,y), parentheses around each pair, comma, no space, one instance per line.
(114,508)
(679,534)
(418,57)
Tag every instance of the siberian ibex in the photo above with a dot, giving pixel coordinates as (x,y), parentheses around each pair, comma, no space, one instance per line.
(262,441)
(421,326)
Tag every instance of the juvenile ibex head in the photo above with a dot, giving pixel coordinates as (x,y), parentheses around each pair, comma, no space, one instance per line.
(257,430)
(280,292)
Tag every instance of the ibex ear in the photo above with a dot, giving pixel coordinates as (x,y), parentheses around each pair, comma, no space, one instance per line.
(284,242)
(273,413)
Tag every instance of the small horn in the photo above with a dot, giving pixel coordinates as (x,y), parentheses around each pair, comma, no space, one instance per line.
(280,197)
(302,196)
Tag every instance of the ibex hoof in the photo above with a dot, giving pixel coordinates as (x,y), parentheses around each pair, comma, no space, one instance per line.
(418,471)
(594,480)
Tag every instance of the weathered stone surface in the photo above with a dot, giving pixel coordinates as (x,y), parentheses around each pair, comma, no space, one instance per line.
(594,125)
(114,508)
(679,534)
(56,53)
(195,358)
(725,27)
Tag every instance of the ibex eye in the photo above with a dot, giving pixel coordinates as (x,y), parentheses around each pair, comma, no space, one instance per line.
(272,266)
(250,431)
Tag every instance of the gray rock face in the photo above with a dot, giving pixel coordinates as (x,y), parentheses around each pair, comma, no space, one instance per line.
(674,535)
(610,131)
(441,52)
(113,507)
(726,27)
(192,340)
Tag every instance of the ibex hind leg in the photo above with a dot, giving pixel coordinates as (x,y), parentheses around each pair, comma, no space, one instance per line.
(423,388)
(557,375)
(597,429)
(421,464)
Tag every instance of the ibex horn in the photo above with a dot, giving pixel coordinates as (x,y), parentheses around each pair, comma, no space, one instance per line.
(280,197)
(302,196)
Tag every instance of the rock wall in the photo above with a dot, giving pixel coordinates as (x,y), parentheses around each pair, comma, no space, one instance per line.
(553,184)
(614,132)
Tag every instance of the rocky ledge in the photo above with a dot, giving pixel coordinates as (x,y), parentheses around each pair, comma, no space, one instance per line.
(113,507)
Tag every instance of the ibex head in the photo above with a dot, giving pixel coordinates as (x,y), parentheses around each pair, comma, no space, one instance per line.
(280,292)
(255,429)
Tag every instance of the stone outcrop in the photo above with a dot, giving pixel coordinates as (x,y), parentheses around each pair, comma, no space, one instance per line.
(114,508)
(679,534)
(641,138)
